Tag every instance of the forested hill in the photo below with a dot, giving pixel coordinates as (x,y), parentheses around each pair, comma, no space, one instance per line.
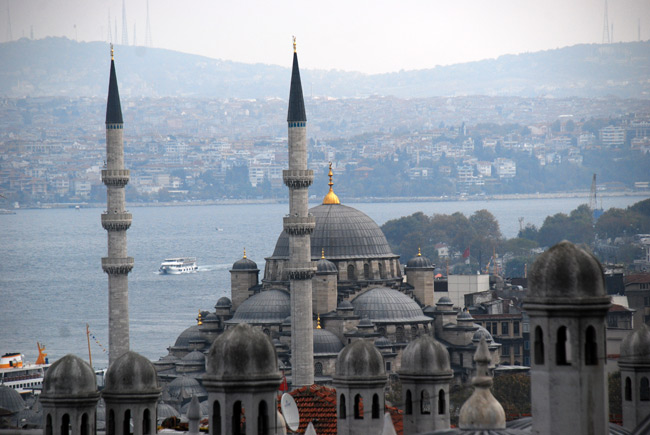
(62,67)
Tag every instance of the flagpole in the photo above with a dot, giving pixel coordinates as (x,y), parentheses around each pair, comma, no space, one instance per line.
(90,357)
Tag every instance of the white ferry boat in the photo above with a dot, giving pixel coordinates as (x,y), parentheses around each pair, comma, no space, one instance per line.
(21,376)
(176,266)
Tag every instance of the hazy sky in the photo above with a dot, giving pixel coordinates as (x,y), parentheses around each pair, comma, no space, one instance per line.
(354,35)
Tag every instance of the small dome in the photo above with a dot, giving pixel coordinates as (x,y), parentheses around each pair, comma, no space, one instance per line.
(245,264)
(480,333)
(131,373)
(425,356)
(325,266)
(270,306)
(383,304)
(566,271)
(287,321)
(464,315)
(345,306)
(185,387)
(223,302)
(383,342)
(163,410)
(360,359)
(326,342)
(444,301)
(69,376)
(242,352)
(194,356)
(211,317)
(366,323)
(420,262)
(190,335)
(635,347)
(11,400)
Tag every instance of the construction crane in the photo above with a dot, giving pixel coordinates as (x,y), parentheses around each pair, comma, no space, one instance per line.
(593,200)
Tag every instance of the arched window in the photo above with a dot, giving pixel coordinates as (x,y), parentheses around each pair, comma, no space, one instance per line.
(127,423)
(375,406)
(539,346)
(442,402)
(628,389)
(65,425)
(591,348)
(425,402)
(146,422)
(382,273)
(48,425)
(408,403)
(111,423)
(644,392)
(381,331)
(318,369)
(267,332)
(237,411)
(216,418)
(351,275)
(460,359)
(414,332)
(342,408)
(85,429)
(263,419)
(358,407)
(366,271)
(562,357)
(399,334)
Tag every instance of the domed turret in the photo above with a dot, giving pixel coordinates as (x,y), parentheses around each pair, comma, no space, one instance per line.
(634,364)
(635,347)
(69,376)
(243,277)
(223,303)
(425,356)
(360,359)
(326,342)
(420,262)
(244,264)
(267,307)
(131,374)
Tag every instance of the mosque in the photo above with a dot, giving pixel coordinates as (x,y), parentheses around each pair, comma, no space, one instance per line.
(334,308)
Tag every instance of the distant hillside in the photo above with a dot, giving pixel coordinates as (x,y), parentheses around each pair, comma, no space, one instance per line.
(61,67)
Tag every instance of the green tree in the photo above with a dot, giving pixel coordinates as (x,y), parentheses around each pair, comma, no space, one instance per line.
(486,235)
(513,392)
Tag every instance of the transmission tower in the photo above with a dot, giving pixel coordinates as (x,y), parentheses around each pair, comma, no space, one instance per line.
(147,33)
(10,37)
(606,38)
(592,195)
(125,32)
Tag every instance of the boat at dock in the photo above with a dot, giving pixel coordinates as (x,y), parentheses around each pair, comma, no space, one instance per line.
(177,266)
(22,376)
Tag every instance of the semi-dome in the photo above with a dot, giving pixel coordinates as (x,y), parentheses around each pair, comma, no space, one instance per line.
(326,342)
(270,306)
(420,262)
(190,335)
(11,400)
(242,353)
(360,359)
(131,373)
(69,376)
(386,305)
(425,356)
(244,264)
(566,271)
(635,347)
(194,356)
(444,301)
(223,302)
(342,232)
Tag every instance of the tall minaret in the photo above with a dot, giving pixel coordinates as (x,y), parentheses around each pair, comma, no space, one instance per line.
(116,221)
(299,225)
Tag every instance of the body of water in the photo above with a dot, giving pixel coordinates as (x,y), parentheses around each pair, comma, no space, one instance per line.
(52,284)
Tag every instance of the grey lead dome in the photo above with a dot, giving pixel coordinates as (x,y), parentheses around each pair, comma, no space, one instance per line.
(131,373)
(360,359)
(386,305)
(425,356)
(635,347)
(69,376)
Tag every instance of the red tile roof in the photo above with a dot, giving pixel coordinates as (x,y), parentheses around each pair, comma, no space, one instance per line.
(317,404)
(637,278)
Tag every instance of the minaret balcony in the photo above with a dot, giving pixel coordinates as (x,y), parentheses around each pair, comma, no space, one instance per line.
(300,271)
(115,177)
(298,225)
(298,178)
(116,221)
(117,266)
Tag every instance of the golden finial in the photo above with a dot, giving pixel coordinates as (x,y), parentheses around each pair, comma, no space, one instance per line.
(244,252)
(112,55)
(294,44)
(419,252)
(322,253)
(200,318)
(318,323)
(331,197)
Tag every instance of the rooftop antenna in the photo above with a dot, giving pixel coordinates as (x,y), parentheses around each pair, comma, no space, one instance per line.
(125,32)
(110,34)
(147,33)
(606,37)
(290,412)
(10,36)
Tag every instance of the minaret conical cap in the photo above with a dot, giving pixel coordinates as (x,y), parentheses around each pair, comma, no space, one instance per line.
(296,102)
(113,107)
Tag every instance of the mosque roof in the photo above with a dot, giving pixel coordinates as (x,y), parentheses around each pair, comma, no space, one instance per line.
(326,342)
(386,305)
(341,232)
(69,376)
(425,356)
(244,264)
(11,400)
(113,107)
(191,334)
(420,262)
(270,306)
(131,373)
(358,360)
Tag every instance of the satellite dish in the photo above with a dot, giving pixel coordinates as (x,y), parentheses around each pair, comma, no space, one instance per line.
(290,411)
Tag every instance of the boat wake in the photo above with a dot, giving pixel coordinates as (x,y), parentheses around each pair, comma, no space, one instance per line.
(209,267)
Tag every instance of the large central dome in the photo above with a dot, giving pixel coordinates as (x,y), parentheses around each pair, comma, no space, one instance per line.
(341,232)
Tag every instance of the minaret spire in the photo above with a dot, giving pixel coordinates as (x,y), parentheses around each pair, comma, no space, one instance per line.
(299,225)
(331,197)
(116,221)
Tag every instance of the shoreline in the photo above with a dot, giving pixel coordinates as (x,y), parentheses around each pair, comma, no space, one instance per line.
(398,199)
